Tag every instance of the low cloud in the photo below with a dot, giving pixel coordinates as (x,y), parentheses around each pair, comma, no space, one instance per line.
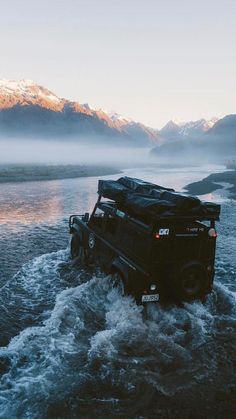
(66,151)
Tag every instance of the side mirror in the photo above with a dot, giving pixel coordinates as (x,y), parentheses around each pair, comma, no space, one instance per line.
(86,217)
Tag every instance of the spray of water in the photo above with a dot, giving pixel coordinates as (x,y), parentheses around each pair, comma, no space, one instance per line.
(97,348)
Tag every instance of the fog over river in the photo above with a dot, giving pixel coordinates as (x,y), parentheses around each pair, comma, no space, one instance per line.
(73,347)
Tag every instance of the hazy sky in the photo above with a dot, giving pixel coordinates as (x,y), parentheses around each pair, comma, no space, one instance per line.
(150,60)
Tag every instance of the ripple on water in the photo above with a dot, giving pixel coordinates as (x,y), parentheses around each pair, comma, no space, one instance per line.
(101,349)
(80,347)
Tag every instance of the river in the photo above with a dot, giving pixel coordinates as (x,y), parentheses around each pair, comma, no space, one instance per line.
(73,347)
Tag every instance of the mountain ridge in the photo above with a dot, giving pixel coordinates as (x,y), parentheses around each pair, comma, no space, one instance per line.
(29,110)
(216,143)
(24,99)
(175,130)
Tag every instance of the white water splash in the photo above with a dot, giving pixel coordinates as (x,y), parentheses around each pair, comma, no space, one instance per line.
(95,336)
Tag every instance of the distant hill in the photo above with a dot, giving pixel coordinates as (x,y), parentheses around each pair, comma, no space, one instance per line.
(30,110)
(224,128)
(213,140)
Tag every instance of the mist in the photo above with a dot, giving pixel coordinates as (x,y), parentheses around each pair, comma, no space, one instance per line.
(193,152)
(70,152)
(67,151)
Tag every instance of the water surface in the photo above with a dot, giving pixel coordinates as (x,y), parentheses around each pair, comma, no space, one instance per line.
(72,346)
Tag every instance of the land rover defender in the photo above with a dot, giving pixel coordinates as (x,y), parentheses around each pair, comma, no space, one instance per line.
(159,244)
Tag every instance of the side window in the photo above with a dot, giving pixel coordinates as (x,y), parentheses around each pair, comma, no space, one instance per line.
(99,213)
(98,219)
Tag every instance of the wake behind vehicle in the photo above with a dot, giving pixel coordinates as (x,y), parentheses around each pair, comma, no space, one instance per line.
(157,243)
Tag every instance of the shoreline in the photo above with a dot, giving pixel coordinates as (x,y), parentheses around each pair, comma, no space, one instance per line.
(209,184)
(17,173)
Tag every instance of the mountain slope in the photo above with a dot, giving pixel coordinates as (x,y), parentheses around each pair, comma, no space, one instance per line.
(225,127)
(175,130)
(32,110)
(213,140)
(26,92)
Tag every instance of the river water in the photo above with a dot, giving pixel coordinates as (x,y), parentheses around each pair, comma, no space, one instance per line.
(73,347)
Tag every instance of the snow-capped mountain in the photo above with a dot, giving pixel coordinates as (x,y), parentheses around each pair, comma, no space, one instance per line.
(26,108)
(26,92)
(195,127)
(170,130)
(199,141)
(175,130)
(116,117)
(30,110)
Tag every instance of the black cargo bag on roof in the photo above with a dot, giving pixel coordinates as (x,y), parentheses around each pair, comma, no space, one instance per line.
(143,205)
(181,201)
(160,192)
(147,199)
(210,208)
(139,185)
(111,189)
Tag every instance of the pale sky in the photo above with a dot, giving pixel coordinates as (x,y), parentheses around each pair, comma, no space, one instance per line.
(149,60)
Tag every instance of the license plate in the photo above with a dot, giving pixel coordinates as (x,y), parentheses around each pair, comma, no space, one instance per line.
(150,298)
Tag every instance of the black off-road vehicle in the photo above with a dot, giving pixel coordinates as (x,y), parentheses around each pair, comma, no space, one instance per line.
(159,244)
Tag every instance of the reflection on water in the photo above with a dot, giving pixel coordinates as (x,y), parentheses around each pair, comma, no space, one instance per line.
(80,349)
(43,210)
(26,203)
(39,202)
(47,201)
(34,215)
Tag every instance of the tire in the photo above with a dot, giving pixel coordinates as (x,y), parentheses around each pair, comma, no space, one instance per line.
(119,282)
(192,283)
(76,249)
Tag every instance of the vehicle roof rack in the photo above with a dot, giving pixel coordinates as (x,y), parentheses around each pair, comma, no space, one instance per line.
(147,200)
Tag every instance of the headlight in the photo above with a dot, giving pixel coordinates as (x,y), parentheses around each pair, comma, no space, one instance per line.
(153,287)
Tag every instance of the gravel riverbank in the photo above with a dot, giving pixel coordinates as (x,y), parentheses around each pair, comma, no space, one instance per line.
(34,172)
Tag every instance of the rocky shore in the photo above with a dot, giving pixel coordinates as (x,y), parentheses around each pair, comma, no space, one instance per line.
(213,182)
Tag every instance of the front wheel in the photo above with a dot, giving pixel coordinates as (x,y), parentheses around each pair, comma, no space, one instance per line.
(76,249)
